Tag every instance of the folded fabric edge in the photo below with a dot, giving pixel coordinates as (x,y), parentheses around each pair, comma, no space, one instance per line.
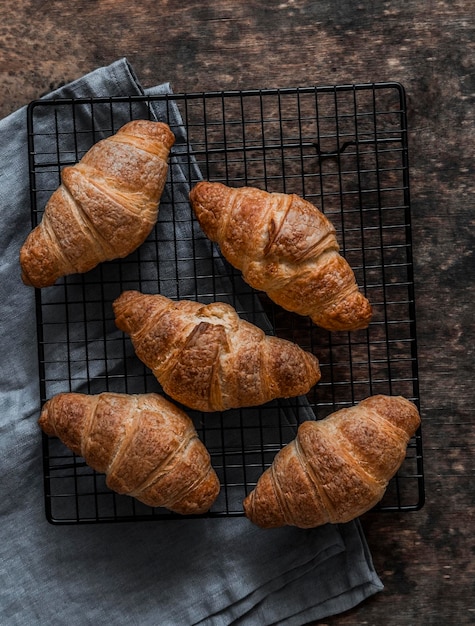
(247,603)
(346,601)
(357,581)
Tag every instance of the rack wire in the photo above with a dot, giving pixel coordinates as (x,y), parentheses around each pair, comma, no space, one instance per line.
(344,148)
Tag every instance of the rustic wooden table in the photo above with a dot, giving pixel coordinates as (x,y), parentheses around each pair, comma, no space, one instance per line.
(425,558)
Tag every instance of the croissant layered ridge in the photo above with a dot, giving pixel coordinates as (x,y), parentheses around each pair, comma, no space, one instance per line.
(285,246)
(207,357)
(146,446)
(336,468)
(105,206)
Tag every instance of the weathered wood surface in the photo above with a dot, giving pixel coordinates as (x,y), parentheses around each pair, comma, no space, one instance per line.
(425,559)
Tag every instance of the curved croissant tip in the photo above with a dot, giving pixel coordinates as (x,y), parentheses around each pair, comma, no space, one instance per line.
(398,410)
(124,300)
(206,190)
(132,309)
(197,189)
(38,267)
(125,296)
(149,130)
(209,202)
(44,419)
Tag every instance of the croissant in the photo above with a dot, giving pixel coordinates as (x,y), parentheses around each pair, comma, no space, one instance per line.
(285,246)
(147,447)
(105,207)
(207,357)
(337,468)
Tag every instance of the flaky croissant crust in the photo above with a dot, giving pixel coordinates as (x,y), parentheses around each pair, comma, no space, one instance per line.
(286,247)
(207,357)
(337,468)
(105,207)
(147,447)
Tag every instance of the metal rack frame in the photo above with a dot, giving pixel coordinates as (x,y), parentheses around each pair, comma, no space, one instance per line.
(344,148)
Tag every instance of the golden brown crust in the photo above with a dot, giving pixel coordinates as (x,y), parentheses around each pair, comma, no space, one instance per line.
(209,359)
(147,447)
(337,468)
(286,247)
(105,207)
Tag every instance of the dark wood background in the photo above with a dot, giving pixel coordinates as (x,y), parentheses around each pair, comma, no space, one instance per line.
(426,558)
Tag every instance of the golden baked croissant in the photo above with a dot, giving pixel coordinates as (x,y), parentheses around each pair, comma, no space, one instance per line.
(285,246)
(147,447)
(207,357)
(105,207)
(337,468)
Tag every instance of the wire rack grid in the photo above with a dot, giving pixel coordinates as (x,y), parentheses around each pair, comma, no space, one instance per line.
(344,148)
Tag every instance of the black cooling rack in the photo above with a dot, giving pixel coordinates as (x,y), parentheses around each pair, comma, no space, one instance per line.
(345,149)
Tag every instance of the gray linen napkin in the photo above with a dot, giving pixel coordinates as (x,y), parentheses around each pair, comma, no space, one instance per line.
(207,571)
